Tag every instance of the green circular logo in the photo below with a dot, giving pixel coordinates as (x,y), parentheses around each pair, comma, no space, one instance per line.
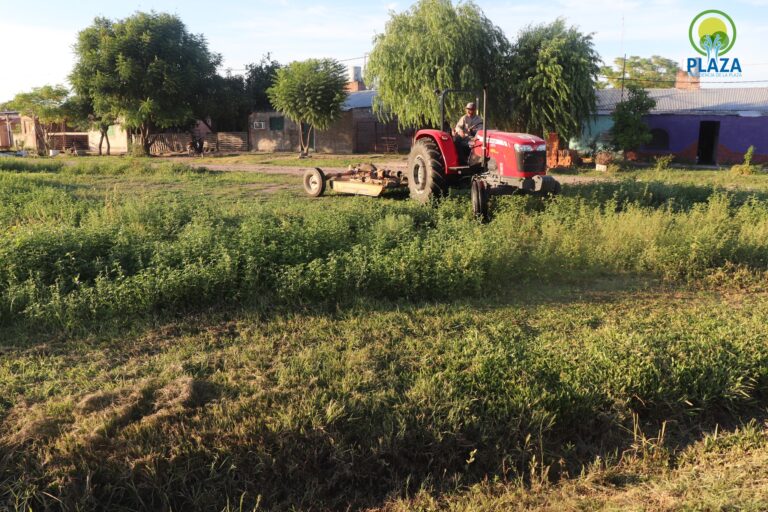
(712,32)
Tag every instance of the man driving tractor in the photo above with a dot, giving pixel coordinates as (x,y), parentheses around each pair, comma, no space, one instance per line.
(466,129)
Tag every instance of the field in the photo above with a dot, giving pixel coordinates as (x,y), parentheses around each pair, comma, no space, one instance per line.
(180,339)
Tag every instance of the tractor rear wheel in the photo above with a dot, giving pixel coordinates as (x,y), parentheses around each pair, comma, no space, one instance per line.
(480,199)
(425,171)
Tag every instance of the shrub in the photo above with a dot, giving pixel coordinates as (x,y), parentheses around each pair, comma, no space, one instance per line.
(663,162)
(746,168)
(604,157)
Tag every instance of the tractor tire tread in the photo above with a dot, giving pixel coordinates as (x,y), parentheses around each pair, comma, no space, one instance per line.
(437,183)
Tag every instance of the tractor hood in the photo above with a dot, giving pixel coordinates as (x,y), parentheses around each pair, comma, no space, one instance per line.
(506,139)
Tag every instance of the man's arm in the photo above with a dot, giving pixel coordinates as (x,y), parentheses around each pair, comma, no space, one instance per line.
(461,128)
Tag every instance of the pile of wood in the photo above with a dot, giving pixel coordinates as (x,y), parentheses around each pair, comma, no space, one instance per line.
(556,157)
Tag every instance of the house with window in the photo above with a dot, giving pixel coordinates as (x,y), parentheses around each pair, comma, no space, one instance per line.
(710,126)
(358,130)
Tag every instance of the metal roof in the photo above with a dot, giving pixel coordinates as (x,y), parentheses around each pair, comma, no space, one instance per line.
(359,99)
(721,101)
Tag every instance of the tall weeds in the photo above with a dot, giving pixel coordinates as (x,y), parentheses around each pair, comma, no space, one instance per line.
(65,261)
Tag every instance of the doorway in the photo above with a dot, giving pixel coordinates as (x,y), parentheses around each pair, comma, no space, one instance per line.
(709,133)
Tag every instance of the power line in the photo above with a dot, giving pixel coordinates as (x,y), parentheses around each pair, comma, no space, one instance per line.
(644,80)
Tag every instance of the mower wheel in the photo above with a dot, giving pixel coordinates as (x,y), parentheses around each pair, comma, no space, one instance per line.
(425,171)
(480,198)
(314,182)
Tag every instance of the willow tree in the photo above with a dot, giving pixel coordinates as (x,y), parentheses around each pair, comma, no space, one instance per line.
(310,93)
(437,45)
(554,70)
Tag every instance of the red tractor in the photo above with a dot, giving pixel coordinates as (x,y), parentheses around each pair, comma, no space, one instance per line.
(499,163)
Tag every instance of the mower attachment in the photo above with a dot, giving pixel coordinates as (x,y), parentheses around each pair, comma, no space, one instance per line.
(363,180)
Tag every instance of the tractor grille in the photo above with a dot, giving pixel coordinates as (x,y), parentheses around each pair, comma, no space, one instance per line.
(533,161)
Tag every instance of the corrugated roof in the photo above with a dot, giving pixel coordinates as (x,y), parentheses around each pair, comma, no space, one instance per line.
(359,99)
(741,100)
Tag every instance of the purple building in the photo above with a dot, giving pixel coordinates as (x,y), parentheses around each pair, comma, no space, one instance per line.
(699,126)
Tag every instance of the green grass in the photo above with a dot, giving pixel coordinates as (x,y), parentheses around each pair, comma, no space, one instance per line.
(182,339)
(723,471)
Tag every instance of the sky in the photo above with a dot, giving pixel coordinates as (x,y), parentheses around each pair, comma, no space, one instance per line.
(38,40)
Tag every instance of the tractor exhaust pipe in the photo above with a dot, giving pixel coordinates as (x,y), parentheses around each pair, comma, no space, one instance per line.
(485,129)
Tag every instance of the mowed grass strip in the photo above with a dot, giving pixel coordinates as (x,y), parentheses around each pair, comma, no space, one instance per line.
(329,410)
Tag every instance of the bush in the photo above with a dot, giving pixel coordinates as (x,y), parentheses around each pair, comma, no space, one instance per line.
(663,162)
(746,168)
(604,157)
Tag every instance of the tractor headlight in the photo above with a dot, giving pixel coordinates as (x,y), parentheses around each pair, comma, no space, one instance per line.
(541,147)
(523,147)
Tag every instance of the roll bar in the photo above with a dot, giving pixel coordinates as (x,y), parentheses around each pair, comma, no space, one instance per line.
(446,92)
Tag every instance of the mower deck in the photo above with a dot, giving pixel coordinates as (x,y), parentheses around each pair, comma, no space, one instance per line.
(362,180)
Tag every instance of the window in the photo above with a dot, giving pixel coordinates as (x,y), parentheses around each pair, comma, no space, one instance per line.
(277,124)
(659,139)
(259,125)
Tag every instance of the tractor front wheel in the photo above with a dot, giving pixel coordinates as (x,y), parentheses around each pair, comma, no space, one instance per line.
(480,199)
(425,171)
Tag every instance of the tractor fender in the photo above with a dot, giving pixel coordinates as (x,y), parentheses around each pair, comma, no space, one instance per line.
(444,141)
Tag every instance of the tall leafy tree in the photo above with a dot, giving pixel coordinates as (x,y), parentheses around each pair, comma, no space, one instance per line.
(629,130)
(310,93)
(45,105)
(258,78)
(554,70)
(232,98)
(147,70)
(648,73)
(226,105)
(438,45)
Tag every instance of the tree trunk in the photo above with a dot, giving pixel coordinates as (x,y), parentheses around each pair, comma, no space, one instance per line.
(301,140)
(106,136)
(145,139)
(41,136)
(101,140)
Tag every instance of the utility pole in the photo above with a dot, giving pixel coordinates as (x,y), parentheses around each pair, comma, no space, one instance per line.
(624,62)
(623,71)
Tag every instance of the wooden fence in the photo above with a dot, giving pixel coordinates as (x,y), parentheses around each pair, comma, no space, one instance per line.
(67,141)
(226,142)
